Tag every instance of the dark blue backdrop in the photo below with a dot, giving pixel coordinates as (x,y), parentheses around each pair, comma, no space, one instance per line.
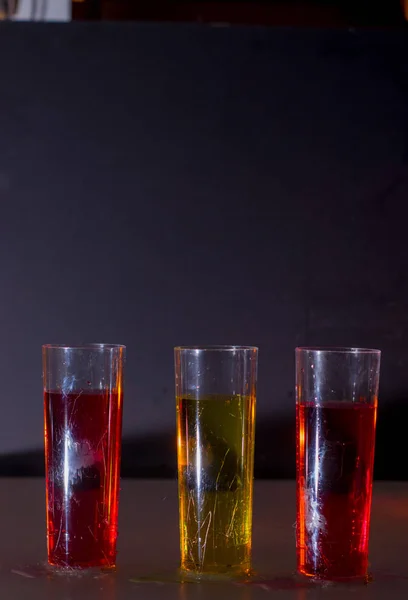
(165,185)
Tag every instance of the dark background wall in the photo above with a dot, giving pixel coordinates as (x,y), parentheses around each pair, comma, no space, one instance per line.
(165,185)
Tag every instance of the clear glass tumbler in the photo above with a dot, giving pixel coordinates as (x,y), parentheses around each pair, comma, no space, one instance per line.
(83,398)
(336,396)
(216,396)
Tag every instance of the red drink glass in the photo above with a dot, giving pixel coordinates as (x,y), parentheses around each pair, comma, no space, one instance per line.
(83,397)
(336,410)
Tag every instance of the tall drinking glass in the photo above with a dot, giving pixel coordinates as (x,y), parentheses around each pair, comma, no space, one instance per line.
(215,396)
(336,396)
(83,397)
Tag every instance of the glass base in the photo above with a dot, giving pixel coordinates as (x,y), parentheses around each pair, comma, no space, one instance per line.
(216,574)
(318,578)
(80,568)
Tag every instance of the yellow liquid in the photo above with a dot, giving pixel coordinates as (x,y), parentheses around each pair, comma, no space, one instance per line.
(215,472)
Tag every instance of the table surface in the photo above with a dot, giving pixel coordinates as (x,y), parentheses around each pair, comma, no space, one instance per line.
(149,552)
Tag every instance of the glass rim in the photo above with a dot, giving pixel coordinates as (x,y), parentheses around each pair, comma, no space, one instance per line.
(337,349)
(215,348)
(92,346)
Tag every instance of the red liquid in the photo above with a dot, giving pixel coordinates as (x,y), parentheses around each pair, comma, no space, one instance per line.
(335,455)
(82,450)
